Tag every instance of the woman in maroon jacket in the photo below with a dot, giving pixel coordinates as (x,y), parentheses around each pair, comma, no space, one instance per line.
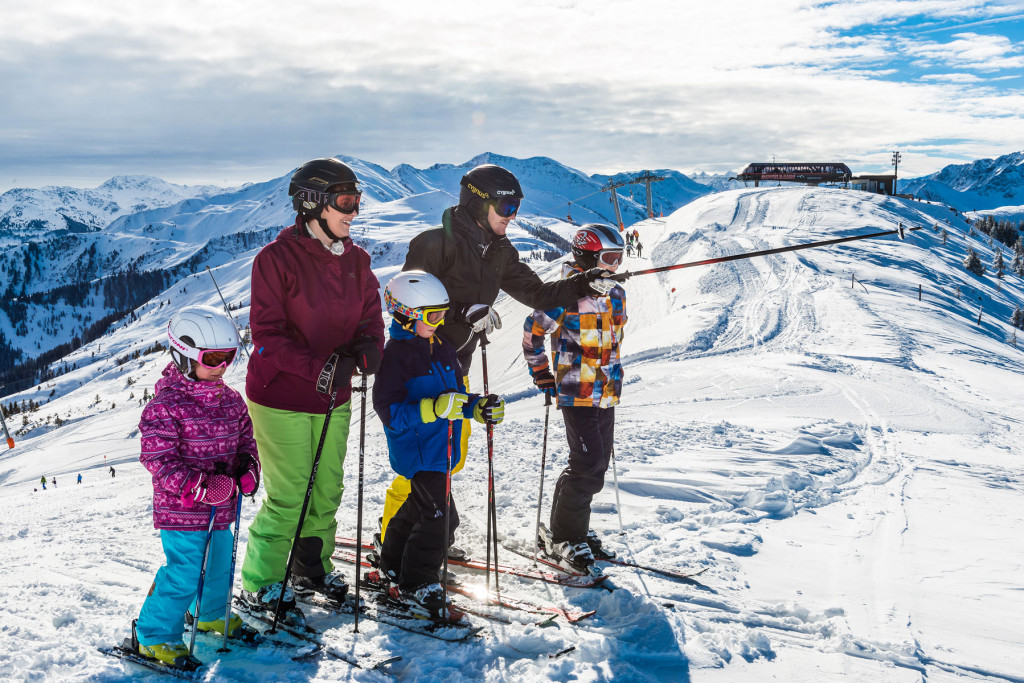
(313,295)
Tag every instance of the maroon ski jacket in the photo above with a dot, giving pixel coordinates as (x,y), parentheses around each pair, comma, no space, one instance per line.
(306,302)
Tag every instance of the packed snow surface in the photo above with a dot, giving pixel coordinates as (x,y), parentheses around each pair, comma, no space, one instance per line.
(842,457)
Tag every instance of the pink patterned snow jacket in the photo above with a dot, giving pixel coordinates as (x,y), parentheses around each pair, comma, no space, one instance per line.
(189,426)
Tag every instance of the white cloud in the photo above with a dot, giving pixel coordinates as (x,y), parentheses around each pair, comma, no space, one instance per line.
(211,88)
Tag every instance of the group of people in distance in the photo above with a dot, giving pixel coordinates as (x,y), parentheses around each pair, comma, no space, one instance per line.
(316,321)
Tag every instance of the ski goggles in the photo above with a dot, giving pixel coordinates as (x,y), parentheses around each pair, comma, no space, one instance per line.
(345,202)
(609,257)
(433,315)
(213,359)
(506,206)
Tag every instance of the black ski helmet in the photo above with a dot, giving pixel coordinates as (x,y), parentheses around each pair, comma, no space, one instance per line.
(310,182)
(593,238)
(484,184)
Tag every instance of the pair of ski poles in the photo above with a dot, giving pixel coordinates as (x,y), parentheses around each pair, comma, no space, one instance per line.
(309,493)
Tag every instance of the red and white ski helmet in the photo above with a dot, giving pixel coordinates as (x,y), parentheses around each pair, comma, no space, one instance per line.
(591,240)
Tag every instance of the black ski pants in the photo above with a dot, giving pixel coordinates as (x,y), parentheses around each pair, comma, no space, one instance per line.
(415,546)
(591,434)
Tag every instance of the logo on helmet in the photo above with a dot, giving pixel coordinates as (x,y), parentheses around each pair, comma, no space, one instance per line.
(586,240)
(504,192)
(478,192)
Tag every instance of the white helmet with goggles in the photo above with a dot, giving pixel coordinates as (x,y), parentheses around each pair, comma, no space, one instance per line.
(415,295)
(203,335)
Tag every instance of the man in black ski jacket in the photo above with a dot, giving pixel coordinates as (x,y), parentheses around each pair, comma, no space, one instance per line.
(474,259)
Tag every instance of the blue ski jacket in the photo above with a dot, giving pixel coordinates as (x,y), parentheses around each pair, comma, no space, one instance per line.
(414,368)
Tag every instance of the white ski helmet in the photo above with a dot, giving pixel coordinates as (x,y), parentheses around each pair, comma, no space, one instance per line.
(415,295)
(198,328)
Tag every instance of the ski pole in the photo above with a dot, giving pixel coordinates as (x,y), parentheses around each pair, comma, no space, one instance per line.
(202,580)
(10,441)
(492,521)
(447,515)
(543,461)
(305,502)
(228,311)
(900,231)
(359,503)
(231,572)
(618,506)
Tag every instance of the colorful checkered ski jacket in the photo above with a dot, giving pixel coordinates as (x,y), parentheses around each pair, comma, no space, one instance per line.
(585,338)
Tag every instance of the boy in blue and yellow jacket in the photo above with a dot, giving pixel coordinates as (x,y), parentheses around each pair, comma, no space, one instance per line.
(421,398)
(587,382)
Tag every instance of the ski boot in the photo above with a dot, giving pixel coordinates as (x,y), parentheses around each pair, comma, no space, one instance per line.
(429,600)
(265,600)
(599,552)
(574,556)
(172,654)
(238,631)
(458,554)
(332,586)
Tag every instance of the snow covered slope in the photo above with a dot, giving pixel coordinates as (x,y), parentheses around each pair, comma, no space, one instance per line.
(843,460)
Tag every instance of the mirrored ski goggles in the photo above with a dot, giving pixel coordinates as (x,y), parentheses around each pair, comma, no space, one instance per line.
(215,359)
(506,207)
(433,315)
(610,257)
(345,202)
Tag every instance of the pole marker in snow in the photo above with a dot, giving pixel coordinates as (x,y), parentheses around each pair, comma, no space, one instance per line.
(899,232)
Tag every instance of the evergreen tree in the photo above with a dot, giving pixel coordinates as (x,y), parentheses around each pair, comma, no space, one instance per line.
(973,264)
(997,264)
(1017,319)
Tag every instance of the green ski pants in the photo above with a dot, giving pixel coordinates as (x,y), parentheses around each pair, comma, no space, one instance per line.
(287,441)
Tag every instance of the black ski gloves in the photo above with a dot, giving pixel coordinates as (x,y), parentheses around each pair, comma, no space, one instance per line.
(365,352)
(336,373)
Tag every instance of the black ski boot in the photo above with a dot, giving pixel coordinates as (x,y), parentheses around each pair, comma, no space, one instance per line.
(265,600)
(429,600)
(600,553)
(332,586)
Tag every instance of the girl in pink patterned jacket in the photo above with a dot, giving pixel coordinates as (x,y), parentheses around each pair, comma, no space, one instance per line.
(197,443)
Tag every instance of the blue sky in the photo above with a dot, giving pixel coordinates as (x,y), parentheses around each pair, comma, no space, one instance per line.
(236,91)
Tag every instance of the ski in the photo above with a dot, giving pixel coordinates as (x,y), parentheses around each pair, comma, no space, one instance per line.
(312,636)
(475,593)
(670,573)
(563,578)
(476,605)
(386,610)
(128,655)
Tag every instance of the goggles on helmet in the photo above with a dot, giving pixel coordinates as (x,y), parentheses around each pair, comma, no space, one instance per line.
(345,202)
(609,257)
(506,206)
(214,359)
(433,315)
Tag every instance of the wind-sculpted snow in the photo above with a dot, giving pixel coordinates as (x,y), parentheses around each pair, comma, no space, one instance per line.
(841,459)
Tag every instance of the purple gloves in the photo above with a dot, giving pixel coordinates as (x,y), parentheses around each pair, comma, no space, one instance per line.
(212,489)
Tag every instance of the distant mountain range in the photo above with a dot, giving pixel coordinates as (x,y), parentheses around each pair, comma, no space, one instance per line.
(977,186)
(75,260)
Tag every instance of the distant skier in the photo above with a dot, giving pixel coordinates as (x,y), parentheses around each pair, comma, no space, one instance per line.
(197,443)
(639,249)
(586,382)
(42,480)
(79,478)
(112,474)
(54,482)
(420,395)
